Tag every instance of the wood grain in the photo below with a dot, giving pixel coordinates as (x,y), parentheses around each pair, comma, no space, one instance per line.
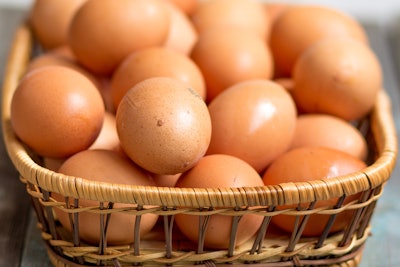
(14,202)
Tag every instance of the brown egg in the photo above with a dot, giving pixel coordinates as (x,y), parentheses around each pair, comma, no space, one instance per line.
(182,35)
(249,15)
(155,62)
(253,120)
(108,136)
(219,171)
(186,6)
(50,20)
(103,33)
(274,10)
(53,163)
(166,180)
(60,56)
(311,163)
(110,167)
(105,91)
(299,26)
(56,111)
(339,76)
(329,131)
(163,125)
(229,56)
(63,56)
(286,83)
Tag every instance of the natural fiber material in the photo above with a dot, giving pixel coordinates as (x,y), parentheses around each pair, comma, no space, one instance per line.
(165,245)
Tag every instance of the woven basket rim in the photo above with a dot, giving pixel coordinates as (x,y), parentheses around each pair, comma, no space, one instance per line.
(288,193)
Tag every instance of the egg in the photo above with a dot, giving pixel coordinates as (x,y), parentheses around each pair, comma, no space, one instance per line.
(108,136)
(299,26)
(166,180)
(339,76)
(274,10)
(329,131)
(286,83)
(53,163)
(105,91)
(61,56)
(50,21)
(246,14)
(253,120)
(219,171)
(155,62)
(103,33)
(163,125)
(182,35)
(186,6)
(228,56)
(56,111)
(109,167)
(305,164)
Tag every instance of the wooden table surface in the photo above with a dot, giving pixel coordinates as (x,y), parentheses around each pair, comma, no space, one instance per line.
(20,241)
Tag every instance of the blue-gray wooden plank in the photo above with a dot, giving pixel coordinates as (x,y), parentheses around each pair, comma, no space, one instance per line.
(14,202)
(382,247)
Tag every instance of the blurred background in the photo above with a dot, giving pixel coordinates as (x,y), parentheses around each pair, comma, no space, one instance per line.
(383,12)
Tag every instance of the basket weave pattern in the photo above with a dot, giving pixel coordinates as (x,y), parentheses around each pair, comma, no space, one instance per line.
(166,245)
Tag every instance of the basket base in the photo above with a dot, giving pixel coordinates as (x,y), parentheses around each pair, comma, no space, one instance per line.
(352,259)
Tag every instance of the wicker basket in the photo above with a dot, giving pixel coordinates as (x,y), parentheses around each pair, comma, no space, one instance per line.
(165,246)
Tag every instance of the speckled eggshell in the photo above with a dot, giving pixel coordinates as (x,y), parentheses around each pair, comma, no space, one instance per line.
(163,125)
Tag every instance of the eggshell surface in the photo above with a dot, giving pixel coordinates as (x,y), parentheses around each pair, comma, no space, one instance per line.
(182,35)
(163,125)
(329,131)
(299,26)
(253,120)
(219,171)
(248,15)
(110,167)
(305,164)
(50,21)
(103,32)
(108,136)
(186,6)
(340,76)
(155,62)
(56,111)
(227,56)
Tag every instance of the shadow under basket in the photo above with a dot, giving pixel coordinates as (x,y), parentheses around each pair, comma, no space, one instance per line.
(165,245)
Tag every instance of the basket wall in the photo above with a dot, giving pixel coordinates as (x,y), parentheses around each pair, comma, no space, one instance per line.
(165,245)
